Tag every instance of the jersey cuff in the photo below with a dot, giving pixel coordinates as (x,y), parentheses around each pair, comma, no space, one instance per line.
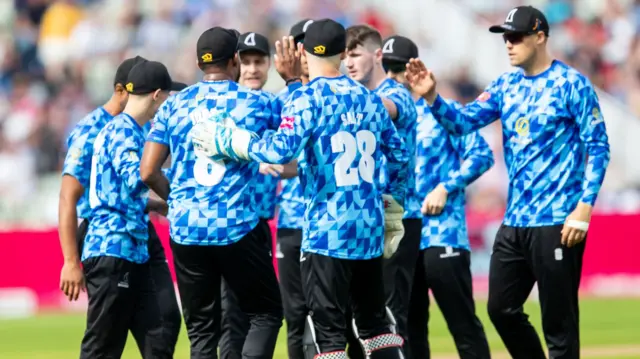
(156,140)
(438,104)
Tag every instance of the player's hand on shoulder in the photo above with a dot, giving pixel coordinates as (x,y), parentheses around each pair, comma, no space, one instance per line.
(421,80)
(72,280)
(434,202)
(208,138)
(287,58)
(576,225)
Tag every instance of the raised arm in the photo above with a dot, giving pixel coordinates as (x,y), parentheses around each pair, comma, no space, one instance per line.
(459,121)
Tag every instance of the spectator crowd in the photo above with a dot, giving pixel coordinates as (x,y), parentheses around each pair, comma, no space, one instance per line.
(57,59)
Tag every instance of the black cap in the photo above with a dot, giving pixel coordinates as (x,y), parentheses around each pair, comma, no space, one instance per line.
(325,38)
(299,28)
(216,44)
(399,48)
(523,19)
(123,70)
(178,86)
(252,41)
(147,77)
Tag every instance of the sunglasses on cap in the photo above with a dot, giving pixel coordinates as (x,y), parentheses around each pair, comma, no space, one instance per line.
(516,37)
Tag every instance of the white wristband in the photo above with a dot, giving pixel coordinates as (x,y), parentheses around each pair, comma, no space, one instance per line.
(581,225)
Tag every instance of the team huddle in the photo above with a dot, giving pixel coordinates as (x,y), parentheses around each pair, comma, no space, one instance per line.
(373,166)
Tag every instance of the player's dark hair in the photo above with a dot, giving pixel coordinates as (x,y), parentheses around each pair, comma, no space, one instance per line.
(216,66)
(361,34)
(395,67)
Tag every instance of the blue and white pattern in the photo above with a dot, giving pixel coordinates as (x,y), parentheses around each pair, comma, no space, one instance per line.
(438,157)
(118,197)
(291,201)
(77,162)
(211,202)
(406,123)
(267,185)
(342,130)
(555,140)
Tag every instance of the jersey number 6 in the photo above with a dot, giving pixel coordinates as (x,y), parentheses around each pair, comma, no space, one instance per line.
(364,143)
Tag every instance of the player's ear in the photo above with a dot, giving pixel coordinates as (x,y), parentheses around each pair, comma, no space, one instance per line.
(378,54)
(119,89)
(156,95)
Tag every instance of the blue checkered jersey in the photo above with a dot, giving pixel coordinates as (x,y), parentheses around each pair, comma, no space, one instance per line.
(267,185)
(77,162)
(211,202)
(406,123)
(555,140)
(291,200)
(118,197)
(438,160)
(343,130)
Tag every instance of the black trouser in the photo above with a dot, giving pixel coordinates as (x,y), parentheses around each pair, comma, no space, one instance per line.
(521,257)
(235,323)
(122,298)
(293,300)
(247,268)
(159,286)
(331,285)
(399,272)
(446,272)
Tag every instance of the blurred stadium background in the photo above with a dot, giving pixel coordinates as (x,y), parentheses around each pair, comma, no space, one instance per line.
(57,60)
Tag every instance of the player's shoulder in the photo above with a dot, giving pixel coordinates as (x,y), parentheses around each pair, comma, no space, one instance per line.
(568,77)
(391,87)
(92,123)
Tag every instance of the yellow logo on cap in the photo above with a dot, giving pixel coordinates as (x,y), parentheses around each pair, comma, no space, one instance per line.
(536,25)
(207,58)
(320,49)
(129,87)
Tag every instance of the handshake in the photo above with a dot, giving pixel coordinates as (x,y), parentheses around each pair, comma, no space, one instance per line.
(218,137)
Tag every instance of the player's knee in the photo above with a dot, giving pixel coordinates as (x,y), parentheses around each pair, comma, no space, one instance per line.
(500,314)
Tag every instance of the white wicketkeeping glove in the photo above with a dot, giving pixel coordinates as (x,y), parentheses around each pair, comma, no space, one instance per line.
(217,140)
(393,228)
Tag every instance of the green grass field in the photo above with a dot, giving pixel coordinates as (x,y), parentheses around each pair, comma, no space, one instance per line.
(610,329)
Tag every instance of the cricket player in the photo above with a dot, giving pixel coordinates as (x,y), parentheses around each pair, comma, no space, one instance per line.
(445,165)
(557,151)
(115,256)
(343,130)
(215,228)
(254,54)
(74,205)
(292,205)
(364,64)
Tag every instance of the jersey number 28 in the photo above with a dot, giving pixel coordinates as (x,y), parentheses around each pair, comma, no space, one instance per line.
(365,143)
